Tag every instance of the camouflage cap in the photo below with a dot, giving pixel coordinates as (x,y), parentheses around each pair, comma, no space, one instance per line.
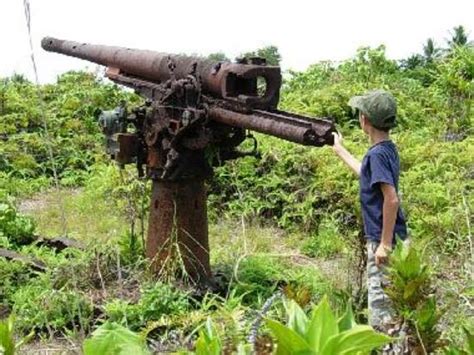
(378,106)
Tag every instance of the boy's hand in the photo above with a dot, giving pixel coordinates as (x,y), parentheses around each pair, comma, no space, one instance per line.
(337,141)
(381,254)
(342,152)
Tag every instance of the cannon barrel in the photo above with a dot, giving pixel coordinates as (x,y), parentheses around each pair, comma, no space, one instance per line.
(291,127)
(221,79)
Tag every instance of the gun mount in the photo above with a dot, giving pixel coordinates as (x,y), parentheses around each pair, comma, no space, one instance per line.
(194,106)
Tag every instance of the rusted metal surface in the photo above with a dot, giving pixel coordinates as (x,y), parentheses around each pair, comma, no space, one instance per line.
(194,101)
(128,148)
(223,79)
(177,230)
(297,129)
(195,105)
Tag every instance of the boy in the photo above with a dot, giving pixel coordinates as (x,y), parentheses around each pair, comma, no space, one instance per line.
(379,173)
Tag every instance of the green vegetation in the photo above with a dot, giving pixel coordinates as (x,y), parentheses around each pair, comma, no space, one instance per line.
(287,222)
(14,229)
(323,333)
(111,338)
(270,53)
(208,341)
(70,107)
(8,343)
(413,297)
(157,300)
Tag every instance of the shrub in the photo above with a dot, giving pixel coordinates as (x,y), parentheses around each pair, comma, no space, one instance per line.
(156,300)
(326,241)
(39,306)
(258,277)
(14,227)
(412,296)
(322,333)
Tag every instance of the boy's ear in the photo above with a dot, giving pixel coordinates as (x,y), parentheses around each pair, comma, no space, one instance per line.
(365,119)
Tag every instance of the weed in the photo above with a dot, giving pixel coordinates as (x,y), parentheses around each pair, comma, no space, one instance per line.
(157,300)
(468,347)
(208,341)
(8,343)
(38,306)
(15,229)
(412,296)
(323,333)
(326,241)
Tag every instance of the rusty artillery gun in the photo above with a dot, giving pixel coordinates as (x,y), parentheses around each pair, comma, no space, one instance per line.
(194,107)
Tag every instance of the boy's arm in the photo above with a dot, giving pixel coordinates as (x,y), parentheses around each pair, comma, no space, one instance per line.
(344,154)
(390,210)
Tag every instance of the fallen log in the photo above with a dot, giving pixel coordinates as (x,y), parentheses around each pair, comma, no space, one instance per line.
(60,243)
(35,264)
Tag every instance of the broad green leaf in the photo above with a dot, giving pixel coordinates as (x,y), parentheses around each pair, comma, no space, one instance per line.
(7,336)
(244,349)
(208,342)
(361,338)
(411,287)
(347,320)
(322,326)
(113,339)
(426,316)
(297,319)
(209,328)
(7,339)
(127,349)
(288,341)
(207,346)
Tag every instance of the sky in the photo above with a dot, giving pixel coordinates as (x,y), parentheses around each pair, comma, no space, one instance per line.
(305,32)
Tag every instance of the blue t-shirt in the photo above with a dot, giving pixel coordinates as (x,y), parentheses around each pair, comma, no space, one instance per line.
(381,164)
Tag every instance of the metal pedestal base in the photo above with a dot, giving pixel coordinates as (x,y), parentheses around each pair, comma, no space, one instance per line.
(178,229)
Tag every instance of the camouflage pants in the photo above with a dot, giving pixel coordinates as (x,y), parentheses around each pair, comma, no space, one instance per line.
(380,309)
(381,316)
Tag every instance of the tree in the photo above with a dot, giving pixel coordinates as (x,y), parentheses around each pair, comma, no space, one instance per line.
(430,51)
(412,62)
(459,37)
(270,53)
(19,79)
(218,57)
